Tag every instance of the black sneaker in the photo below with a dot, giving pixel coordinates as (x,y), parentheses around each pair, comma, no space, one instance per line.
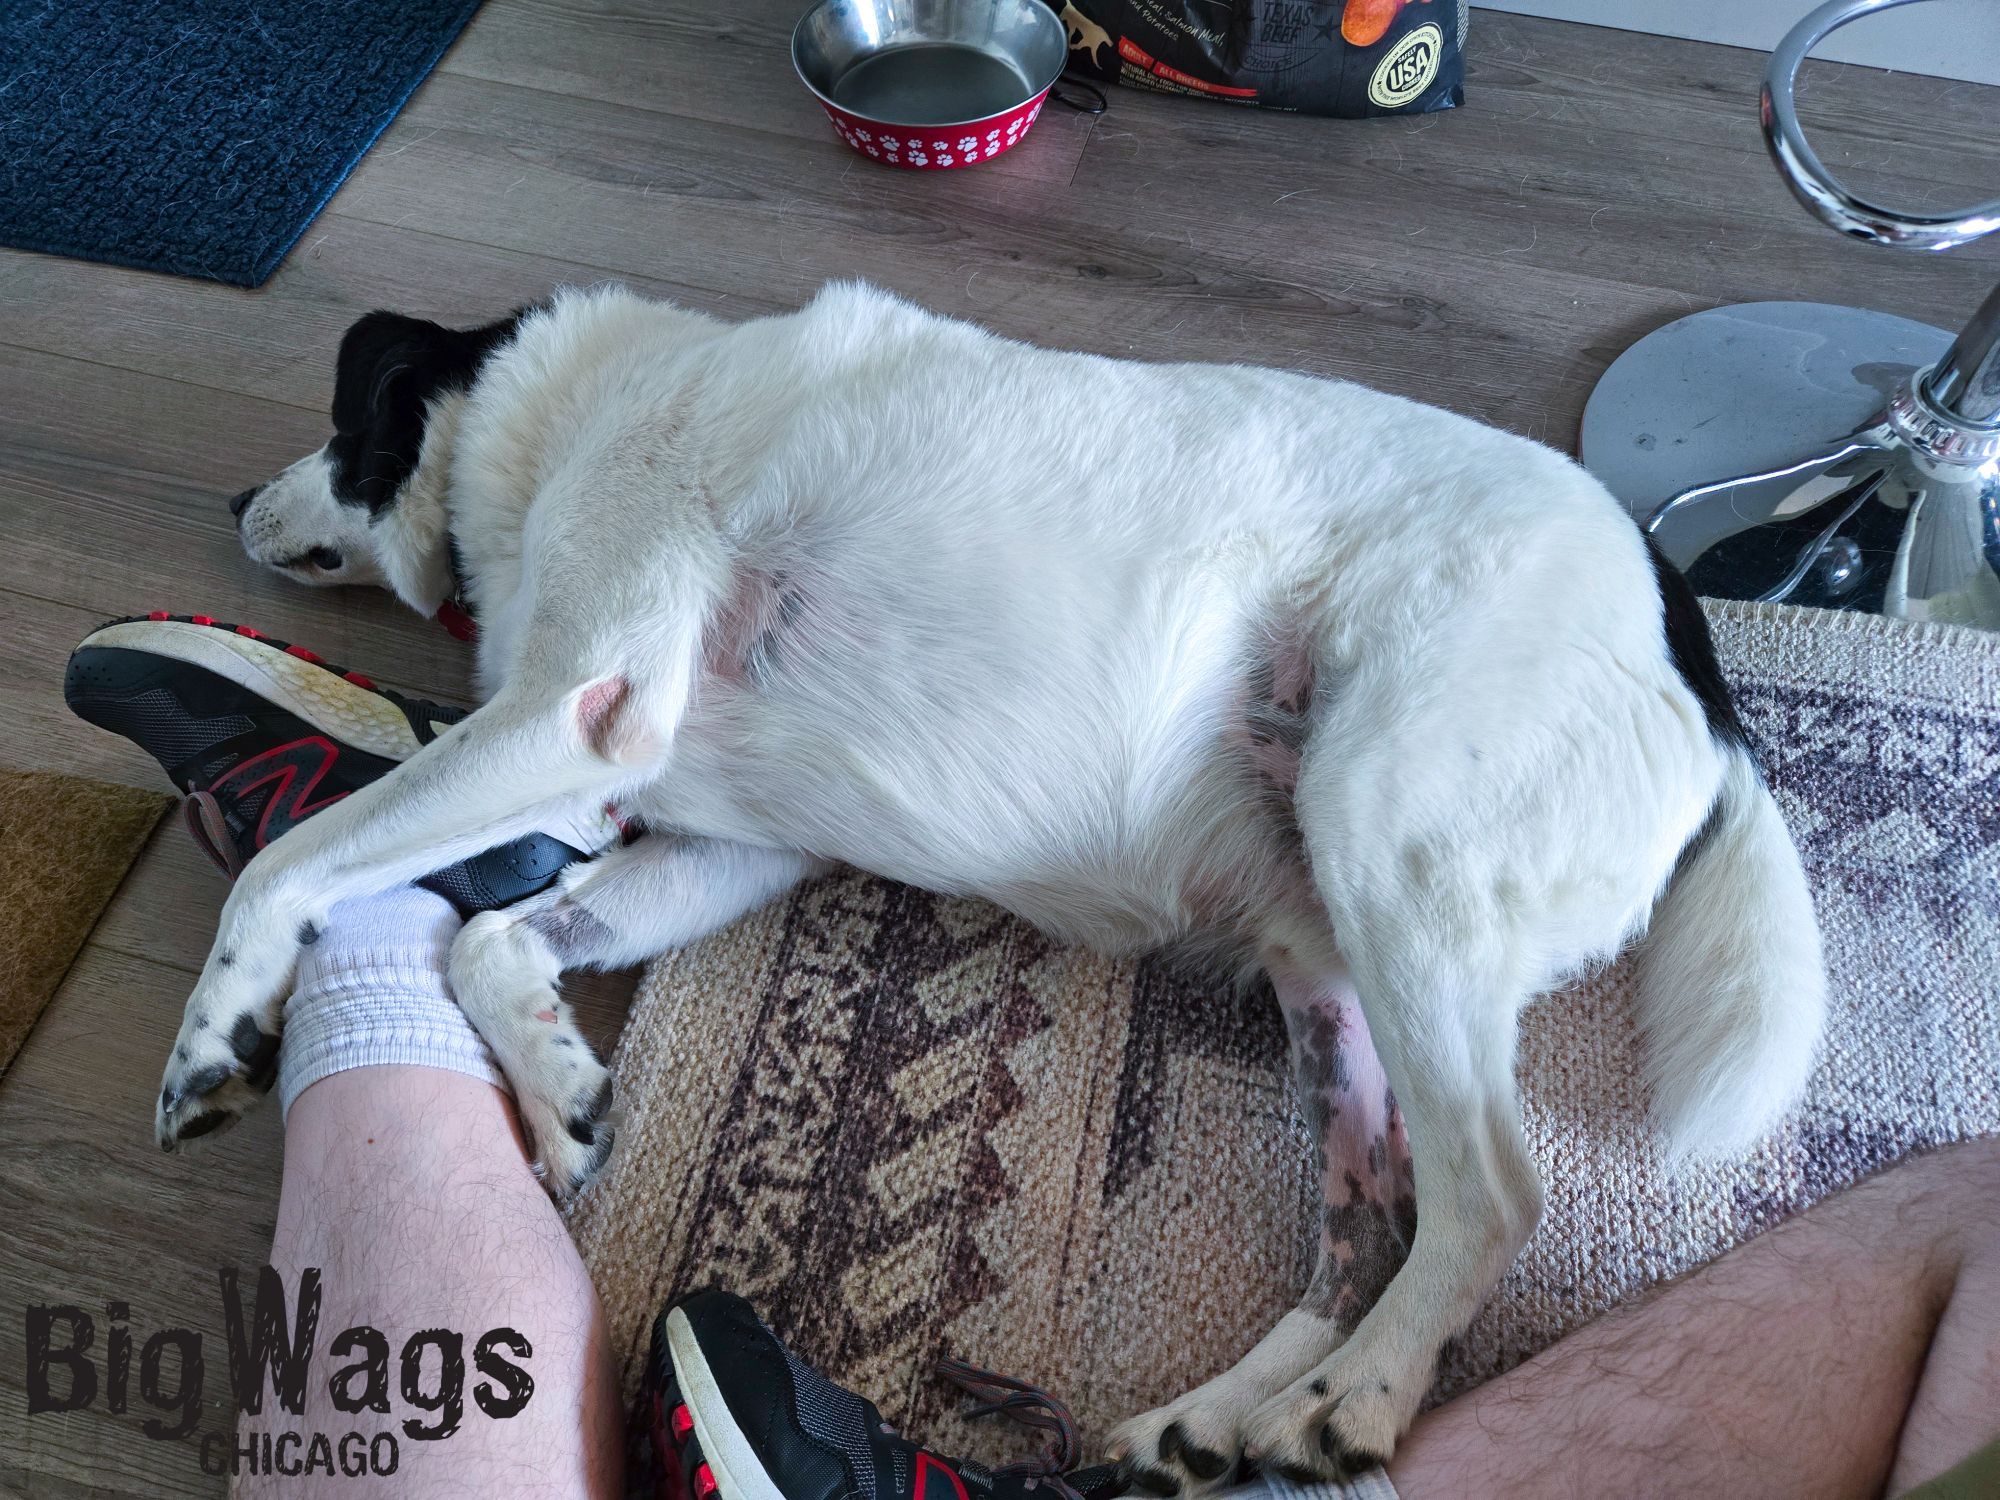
(732,1414)
(258,735)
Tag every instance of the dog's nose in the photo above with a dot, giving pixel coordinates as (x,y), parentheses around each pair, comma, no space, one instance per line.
(241,503)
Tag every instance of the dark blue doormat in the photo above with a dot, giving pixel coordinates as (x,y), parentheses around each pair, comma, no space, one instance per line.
(197,136)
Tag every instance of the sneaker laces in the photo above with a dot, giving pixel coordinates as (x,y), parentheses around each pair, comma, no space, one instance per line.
(1034,1409)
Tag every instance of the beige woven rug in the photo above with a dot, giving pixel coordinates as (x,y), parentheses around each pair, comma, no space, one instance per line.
(907,1126)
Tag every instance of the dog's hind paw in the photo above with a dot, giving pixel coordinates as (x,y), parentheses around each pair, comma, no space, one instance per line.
(1335,1421)
(504,977)
(1184,1448)
(570,1128)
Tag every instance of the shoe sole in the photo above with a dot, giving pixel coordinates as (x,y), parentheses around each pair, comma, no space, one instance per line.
(301,685)
(730,1458)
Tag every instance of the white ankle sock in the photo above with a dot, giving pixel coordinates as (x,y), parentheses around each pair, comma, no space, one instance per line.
(372,991)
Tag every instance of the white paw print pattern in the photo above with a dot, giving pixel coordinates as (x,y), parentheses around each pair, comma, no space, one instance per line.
(968,145)
(945,159)
(918,158)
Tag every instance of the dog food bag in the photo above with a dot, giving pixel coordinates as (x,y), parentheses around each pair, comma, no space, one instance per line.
(1351,58)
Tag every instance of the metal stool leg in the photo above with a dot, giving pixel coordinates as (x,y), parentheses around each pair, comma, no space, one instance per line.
(1865,449)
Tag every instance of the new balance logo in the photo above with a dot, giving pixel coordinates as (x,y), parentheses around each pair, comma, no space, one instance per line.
(297,769)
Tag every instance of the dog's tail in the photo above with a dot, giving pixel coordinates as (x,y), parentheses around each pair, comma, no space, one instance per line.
(1732,994)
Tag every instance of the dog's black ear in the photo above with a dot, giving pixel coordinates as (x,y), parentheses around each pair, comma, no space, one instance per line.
(387,359)
(389,370)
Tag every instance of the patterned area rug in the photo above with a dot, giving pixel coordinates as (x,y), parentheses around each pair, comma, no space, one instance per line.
(907,1126)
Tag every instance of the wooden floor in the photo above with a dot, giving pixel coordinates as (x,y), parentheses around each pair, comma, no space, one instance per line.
(1493,260)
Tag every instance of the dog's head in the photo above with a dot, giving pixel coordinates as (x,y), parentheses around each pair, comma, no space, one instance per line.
(368,507)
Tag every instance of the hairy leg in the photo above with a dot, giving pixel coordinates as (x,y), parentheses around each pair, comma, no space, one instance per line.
(1854,1351)
(409,1189)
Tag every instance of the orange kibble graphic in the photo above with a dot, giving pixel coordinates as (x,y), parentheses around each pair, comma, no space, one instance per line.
(1366,22)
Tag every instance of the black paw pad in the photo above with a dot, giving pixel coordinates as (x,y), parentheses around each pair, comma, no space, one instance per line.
(582,1126)
(1349,1460)
(1149,1478)
(1203,1463)
(256,1050)
(197,1083)
(1295,1473)
(205,1122)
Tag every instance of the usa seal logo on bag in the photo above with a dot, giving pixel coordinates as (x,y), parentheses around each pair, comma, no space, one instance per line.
(1408,68)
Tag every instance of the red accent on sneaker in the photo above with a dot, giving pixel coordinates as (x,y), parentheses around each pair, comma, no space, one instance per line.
(201,619)
(666,1463)
(159,614)
(359,681)
(705,1485)
(304,655)
(931,1461)
(250,631)
(683,1421)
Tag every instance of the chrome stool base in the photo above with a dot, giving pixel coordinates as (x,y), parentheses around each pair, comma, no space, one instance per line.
(1833,504)
(1814,454)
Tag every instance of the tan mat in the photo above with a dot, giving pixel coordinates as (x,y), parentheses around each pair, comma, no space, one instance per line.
(908,1126)
(65,843)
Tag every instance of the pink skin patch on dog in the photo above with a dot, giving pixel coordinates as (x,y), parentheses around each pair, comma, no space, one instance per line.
(1368,1210)
(597,708)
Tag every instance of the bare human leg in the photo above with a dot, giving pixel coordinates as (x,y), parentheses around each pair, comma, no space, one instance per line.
(1854,1351)
(409,1189)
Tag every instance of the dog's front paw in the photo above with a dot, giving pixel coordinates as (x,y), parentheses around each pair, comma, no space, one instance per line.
(1335,1421)
(214,1075)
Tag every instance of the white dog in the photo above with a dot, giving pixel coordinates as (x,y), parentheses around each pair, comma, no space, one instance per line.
(1326,683)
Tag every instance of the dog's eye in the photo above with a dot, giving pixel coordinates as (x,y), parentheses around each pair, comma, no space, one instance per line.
(324,558)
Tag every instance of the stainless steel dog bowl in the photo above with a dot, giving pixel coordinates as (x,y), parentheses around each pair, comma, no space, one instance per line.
(936,77)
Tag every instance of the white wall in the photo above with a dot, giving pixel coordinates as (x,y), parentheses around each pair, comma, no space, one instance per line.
(1948,38)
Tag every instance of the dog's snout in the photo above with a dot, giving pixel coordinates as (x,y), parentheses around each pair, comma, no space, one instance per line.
(240,503)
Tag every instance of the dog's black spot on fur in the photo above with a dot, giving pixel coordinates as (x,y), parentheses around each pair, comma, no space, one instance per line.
(257,1050)
(205,1122)
(1385,1387)
(1318,1387)
(389,371)
(181,1053)
(1693,651)
(224,960)
(201,1023)
(308,934)
(565,1041)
